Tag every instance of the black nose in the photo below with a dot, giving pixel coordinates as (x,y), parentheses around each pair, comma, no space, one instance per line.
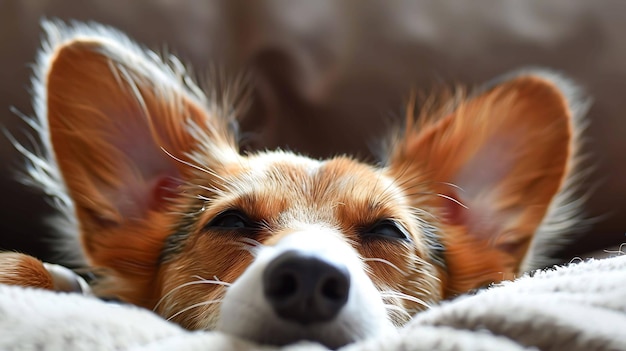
(305,289)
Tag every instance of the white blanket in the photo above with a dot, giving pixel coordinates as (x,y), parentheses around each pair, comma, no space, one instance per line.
(578,307)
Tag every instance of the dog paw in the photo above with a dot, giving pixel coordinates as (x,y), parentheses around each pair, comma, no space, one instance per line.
(23,270)
(27,271)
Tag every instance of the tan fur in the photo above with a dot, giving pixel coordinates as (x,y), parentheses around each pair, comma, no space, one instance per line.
(128,242)
(528,105)
(24,270)
(304,199)
(148,164)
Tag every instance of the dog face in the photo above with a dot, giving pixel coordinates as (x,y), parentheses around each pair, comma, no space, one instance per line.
(277,247)
(306,244)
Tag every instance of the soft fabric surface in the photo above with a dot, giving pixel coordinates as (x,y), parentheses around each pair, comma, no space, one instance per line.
(578,307)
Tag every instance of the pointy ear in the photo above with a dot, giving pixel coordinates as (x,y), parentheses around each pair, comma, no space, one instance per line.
(492,163)
(121,124)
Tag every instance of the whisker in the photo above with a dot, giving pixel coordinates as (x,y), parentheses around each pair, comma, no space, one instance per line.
(250,245)
(398,309)
(201,197)
(427,273)
(403,296)
(440,195)
(213,189)
(215,280)
(250,242)
(195,305)
(452,185)
(425,185)
(382,260)
(453,200)
(186,163)
(419,289)
(201,281)
(422,184)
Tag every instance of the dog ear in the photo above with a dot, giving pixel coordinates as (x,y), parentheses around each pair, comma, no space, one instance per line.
(488,169)
(122,126)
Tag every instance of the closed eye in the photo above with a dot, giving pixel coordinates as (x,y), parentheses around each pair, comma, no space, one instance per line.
(386,229)
(231,220)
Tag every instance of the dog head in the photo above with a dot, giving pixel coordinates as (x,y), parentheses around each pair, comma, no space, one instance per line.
(274,246)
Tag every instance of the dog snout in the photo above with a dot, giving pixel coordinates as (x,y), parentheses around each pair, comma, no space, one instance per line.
(305,289)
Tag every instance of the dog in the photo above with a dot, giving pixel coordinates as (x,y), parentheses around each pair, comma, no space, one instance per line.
(273,246)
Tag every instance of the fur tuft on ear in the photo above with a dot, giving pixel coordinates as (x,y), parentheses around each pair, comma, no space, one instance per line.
(494,168)
(121,128)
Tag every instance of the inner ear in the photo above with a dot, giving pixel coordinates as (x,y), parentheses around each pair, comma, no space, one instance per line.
(118,130)
(125,129)
(452,210)
(495,164)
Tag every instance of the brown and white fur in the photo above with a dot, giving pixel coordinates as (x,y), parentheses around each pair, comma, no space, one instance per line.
(277,247)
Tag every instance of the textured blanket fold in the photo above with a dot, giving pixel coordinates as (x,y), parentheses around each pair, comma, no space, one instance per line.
(578,307)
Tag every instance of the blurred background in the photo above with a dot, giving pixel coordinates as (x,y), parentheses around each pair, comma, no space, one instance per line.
(331,75)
